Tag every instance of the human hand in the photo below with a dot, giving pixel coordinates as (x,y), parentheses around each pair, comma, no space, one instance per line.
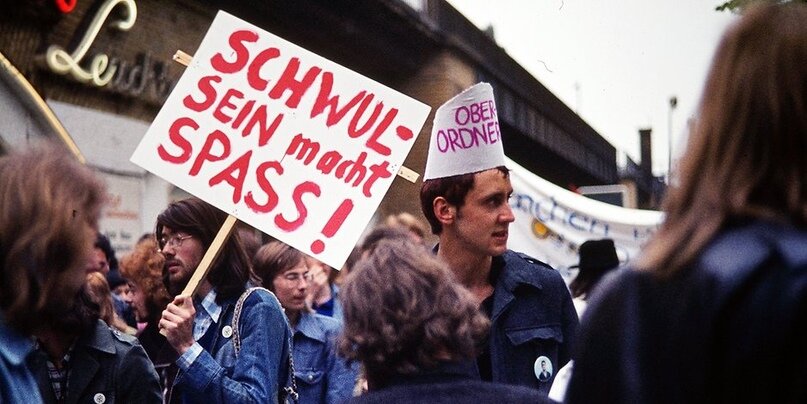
(318,278)
(176,323)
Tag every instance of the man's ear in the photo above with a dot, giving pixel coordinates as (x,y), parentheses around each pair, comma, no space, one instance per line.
(444,211)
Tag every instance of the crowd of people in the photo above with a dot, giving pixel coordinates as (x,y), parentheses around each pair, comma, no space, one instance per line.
(710,312)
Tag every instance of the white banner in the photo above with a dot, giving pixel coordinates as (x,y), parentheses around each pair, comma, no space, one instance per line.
(289,142)
(551,222)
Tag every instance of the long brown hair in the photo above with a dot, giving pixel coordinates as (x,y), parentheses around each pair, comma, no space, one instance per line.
(747,155)
(232,269)
(49,210)
(97,289)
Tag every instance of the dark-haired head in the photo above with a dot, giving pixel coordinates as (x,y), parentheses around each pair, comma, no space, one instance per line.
(454,189)
(232,269)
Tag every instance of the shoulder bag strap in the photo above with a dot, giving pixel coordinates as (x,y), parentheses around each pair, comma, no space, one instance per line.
(290,391)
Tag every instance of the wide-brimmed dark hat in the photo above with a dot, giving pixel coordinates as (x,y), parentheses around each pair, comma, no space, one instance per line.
(597,255)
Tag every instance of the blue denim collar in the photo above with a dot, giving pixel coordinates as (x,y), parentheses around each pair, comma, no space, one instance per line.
(14,347)
(443,372)
(101,339)
(510,278)
(310,327)
(207,313)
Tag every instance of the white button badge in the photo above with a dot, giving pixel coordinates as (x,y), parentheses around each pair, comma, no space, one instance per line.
(543,369)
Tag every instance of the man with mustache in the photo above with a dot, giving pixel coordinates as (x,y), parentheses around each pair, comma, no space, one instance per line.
(201,328)
(465,197)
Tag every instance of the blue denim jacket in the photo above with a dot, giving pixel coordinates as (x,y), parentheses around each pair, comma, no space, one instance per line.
(17,385)
(321,376)
(259,371)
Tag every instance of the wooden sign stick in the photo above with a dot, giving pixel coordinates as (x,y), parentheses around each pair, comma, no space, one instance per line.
(210,256)
(221,237)
(223,234)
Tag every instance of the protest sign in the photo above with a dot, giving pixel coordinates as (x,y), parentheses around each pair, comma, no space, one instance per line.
(295,145)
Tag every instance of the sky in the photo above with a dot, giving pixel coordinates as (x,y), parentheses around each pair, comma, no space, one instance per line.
(615,63)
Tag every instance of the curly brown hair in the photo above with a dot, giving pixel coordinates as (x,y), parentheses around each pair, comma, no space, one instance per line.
(144,268)
(404,313)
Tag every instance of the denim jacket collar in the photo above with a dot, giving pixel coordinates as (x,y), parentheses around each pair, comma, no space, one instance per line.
(14,347)
(509,279)
(101,338)
(443,372)
(310,327)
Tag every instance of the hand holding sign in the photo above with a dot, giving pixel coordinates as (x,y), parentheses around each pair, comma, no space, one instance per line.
(176,323)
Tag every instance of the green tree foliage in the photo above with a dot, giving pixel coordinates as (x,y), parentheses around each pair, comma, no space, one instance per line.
(737,6)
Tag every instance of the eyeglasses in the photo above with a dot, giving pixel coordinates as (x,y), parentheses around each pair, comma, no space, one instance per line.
(174,241)
(294,277)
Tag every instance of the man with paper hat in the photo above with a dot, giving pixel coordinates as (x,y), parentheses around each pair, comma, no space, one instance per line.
(465,199)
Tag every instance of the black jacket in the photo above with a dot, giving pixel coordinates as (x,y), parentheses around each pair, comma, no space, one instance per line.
(731,328)
(450,383)
(105,366)
(532,317)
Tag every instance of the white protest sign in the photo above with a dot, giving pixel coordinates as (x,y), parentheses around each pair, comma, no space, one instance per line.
(281,138)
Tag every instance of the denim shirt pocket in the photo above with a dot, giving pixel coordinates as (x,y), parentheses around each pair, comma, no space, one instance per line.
(522,335)
(309,376)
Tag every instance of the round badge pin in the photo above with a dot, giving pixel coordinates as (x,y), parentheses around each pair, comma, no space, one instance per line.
(227,331)
(543,369)
(99,398)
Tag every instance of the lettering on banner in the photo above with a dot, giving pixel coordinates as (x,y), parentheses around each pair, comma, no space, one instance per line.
(239,113)
(548,210)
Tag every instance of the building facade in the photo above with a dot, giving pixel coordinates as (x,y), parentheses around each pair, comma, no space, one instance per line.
(100,70)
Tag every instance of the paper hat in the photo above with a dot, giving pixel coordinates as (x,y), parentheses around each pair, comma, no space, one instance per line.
(465,135)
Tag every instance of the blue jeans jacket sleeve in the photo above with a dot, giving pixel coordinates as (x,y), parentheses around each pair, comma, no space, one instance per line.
(252,376)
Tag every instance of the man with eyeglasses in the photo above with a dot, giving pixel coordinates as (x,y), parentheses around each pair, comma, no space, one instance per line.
(321,376)
(200,328)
